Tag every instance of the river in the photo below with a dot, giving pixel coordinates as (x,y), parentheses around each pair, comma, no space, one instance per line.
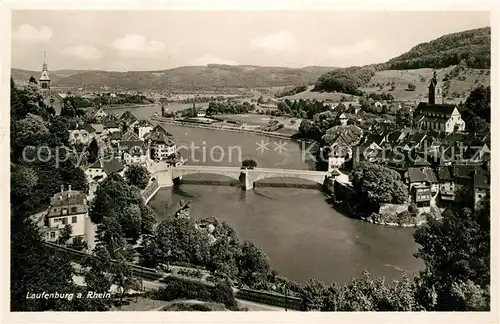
(300,232)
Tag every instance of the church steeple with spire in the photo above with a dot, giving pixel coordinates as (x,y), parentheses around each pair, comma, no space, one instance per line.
(435,91)
(44,78)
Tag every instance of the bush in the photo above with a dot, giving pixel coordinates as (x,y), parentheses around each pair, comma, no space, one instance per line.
(223,293)
(411,87)
(178,289)
(248,164)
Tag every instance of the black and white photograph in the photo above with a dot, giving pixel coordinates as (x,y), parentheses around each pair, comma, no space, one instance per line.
(250,161)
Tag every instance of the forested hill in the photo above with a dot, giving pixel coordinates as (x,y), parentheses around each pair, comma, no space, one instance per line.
(471,47)
(212,76)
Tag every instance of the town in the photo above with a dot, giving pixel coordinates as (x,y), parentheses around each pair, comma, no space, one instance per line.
(375,178)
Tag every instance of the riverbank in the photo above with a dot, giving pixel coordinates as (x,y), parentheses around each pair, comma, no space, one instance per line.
(345,208)
(239,129)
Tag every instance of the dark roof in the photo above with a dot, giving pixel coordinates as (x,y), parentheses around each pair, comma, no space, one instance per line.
(425,108)
(109,167)
(464,171)
(130,136)
(417,137)
(115,135)
(89,128)
(162,138)
(481,179)
(136,148)
(69,197)
(431,176)
(416,175)
(422,175)
(111,124)
(128,117)
(444,173)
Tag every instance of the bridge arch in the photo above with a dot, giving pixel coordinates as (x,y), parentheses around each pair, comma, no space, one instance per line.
(180,172)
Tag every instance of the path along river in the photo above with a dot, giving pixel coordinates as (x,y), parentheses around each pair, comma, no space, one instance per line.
(300,232)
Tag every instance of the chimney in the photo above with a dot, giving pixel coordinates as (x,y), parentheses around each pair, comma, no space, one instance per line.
(62,188)
(69,187)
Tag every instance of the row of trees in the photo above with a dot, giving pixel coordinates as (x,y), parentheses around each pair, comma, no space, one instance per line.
(302,108)
(290,91)
(229,107)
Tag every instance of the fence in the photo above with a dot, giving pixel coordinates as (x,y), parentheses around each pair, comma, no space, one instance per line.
(258,296)
(150,191)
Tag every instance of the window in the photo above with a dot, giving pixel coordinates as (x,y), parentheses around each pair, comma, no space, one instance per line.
(64,221)
(73,219)
(52,234)
(73,210)
(64,211)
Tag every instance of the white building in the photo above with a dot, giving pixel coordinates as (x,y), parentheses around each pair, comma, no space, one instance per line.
(102,168)
(67,208)
(143,127)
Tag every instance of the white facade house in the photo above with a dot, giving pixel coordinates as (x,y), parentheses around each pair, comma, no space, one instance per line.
(142,128)
(80,136)
(161,144)
(339,153)
(67,208)
(102,168)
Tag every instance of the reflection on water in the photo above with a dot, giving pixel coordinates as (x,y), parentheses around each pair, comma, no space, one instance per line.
(302,235)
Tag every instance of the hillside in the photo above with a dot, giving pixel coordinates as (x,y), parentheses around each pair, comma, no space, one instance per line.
(473,46)
(460,86)
(213,76)
(469,48)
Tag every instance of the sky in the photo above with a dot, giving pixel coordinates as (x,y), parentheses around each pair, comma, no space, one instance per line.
(157,40)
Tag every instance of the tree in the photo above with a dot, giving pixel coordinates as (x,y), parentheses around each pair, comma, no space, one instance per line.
(411,87)
(137,175)
(478,104)
(253,264)
(33,80)
(260,100)
(248,164)
(93,150)
(456,252)
(376,184)
(65,234)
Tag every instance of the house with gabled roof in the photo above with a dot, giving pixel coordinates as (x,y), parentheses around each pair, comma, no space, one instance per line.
(133,152)
(103,168)
(423,185)
(68,207)
(130,136)
(129,119)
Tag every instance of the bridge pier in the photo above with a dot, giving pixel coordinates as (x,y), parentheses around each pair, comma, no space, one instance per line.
(164,177)
(248,182)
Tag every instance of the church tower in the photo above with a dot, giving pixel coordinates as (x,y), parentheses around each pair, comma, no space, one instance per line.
(435,91)
(44,78)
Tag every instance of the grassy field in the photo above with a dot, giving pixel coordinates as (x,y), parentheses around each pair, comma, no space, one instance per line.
(254,119)
(401,78)
(421,78)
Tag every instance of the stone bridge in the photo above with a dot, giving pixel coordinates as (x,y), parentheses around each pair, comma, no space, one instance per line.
(167,174)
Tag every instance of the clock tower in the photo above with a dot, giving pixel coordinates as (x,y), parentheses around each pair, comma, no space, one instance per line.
(44,78)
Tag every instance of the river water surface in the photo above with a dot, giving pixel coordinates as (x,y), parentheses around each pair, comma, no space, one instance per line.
(300,232)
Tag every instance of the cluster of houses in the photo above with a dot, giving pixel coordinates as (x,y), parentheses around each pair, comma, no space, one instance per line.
(128,141)
(435,157)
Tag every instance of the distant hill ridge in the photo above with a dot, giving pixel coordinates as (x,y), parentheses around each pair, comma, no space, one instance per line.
(212,76)
(472,46)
